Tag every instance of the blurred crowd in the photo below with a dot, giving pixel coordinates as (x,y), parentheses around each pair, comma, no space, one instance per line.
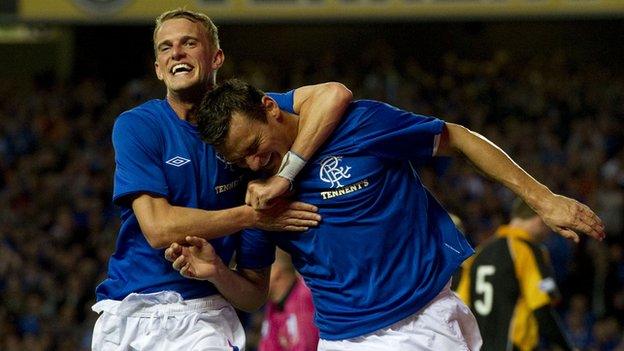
(560,119)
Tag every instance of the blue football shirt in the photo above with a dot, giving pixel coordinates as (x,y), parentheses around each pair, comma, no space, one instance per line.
(385,247)
(158,153)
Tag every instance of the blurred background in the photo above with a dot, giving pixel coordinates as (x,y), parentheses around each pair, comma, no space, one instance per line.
(543,79)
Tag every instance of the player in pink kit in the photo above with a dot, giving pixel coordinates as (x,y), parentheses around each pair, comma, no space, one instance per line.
(289,315)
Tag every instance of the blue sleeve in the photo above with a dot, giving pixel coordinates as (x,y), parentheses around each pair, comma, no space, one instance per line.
(389,132)
(138,157)
(256,250)
(286,101)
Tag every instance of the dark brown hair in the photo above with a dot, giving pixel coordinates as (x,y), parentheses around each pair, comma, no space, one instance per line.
(215,112)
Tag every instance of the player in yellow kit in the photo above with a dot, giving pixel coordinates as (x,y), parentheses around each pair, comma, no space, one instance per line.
(510,288)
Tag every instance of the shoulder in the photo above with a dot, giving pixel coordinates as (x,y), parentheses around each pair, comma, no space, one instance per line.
(362,106)
(146,115)
(149,110)
(495,251)
(364,112)
(382,114)
(492,243)
(525,251)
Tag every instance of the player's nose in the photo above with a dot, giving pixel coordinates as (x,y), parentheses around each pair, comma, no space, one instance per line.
(253,162)
(177,51)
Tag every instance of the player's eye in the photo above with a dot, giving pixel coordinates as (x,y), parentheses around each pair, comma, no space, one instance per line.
(253,148)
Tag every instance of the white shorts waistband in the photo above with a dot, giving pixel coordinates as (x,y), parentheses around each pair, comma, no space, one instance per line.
(167,302)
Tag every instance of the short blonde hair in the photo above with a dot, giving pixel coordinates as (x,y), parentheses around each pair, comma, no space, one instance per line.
(195,17)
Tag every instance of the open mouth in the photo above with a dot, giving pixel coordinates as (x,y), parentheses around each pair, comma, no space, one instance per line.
(180,69)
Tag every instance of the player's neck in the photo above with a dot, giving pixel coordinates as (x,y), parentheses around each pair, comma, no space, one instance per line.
(184,108)
(530,226)
(185,102)
(292,125)
(281,289)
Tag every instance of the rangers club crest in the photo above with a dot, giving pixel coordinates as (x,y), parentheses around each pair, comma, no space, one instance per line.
(331,171)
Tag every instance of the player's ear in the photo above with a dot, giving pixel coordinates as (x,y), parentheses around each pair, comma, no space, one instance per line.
(218,59)
(158,73)
(272,109)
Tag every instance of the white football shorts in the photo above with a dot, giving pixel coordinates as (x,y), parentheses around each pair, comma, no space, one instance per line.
(164,321)
(445,324)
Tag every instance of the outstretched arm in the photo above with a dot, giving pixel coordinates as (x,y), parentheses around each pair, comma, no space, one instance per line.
(246,289)
(563,215)
(320,107)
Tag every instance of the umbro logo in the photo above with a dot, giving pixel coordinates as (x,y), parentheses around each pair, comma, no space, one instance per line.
(178,161)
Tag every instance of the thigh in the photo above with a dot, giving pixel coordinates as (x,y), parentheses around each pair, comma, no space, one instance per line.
(450,324)
(219,331)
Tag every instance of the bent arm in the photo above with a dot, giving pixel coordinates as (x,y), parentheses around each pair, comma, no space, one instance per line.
(246,289)
(320,107)
(163,224)
(563,215)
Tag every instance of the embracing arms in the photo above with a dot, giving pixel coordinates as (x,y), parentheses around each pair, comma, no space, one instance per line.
(321,107)
(163,223)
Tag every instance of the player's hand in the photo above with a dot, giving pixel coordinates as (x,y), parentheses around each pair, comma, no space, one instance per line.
(173,252)
(261,193)
(568,217)
(198,260)
(287,215)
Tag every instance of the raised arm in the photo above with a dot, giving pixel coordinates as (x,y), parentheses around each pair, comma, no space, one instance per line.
(320,107)
(163,224)
(563,215)
(246,289)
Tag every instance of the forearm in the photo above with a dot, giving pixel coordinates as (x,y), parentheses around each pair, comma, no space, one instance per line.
(495,163)
(320,109)
(163,224)
(183,221)
(241,291)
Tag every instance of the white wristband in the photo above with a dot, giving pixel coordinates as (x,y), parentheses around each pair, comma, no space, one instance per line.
(291,165)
